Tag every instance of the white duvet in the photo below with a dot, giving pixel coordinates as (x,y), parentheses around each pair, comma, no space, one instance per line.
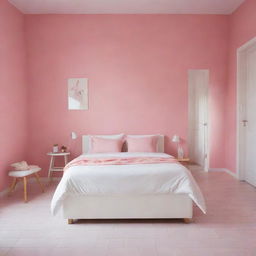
(162,178)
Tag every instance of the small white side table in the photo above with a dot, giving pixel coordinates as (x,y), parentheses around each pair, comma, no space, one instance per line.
(53,168)
(183,161)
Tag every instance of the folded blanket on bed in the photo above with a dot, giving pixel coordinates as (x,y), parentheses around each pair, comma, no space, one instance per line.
(20,166)
(84,161)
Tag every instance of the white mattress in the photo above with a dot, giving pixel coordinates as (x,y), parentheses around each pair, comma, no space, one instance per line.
(143,179)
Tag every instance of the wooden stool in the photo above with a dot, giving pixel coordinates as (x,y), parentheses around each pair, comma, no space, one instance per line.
(23,175)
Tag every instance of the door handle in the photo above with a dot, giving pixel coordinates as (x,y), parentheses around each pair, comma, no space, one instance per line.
(244,122)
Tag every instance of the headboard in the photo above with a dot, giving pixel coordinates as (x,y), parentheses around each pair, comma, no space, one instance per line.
(86,146)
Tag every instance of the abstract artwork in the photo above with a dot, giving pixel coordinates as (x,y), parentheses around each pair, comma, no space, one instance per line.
(78,94)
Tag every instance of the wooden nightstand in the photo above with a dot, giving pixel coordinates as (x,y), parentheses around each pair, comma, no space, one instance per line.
(184,161)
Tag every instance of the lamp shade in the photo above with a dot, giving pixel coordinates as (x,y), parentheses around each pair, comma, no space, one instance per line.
(73,135)
(176,138)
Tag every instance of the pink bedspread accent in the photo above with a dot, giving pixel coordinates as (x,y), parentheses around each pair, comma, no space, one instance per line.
(119,161)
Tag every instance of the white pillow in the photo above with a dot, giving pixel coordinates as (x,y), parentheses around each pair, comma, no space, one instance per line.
(112,136)
(159,145)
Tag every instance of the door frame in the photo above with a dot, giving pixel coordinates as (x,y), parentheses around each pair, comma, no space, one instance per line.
(241,101)
(207,136)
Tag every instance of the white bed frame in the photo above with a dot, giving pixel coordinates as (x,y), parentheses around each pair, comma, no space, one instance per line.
(171,206)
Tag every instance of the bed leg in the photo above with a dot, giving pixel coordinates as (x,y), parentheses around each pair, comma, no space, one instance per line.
(70,221)
(187,220)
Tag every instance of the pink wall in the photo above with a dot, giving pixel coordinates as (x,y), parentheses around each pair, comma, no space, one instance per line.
(137,68)
(13,96)
(242,29)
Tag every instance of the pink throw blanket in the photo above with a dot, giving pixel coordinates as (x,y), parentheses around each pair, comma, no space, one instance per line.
(119,161)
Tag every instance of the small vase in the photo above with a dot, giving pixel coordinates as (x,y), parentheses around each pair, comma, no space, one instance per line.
(55,149)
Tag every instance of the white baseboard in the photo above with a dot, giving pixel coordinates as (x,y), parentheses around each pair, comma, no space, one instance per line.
(231,173)
(4,192)
(223,170)
(43,179)
(216,169)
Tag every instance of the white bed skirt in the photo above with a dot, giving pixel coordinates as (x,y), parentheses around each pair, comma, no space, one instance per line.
(128,207)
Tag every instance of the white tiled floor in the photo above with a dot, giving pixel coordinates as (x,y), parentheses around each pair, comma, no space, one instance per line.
(228,229)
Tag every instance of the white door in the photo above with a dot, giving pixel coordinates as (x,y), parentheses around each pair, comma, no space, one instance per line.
(198,117)
(249,123)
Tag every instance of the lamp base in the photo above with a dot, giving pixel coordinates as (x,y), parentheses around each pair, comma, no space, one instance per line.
(180,153)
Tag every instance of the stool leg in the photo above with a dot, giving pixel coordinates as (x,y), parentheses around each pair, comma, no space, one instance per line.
(38,181)
(25,189)
(13,185)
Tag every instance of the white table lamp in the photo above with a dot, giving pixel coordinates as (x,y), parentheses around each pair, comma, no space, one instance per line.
(176,139)
(73,136)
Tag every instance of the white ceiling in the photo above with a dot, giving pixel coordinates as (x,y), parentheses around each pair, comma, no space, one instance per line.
(127,6)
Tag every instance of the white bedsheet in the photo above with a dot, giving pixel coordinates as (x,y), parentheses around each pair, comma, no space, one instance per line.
(134,179)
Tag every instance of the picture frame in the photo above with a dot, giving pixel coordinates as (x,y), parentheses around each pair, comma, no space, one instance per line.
(78,94)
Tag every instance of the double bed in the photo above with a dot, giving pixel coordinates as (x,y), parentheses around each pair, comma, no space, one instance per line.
(130,190)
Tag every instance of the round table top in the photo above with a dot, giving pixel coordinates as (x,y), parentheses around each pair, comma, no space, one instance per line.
(58,154)
(18,174)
